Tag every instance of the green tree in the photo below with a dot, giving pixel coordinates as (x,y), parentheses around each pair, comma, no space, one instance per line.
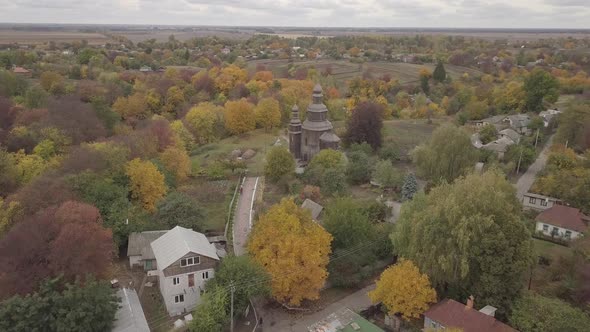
(325,160)
(447,155)
(386,174)
(410,187)
(488,133)
(574,126)
(359,167)
(534,312)
(478,243)
(279,163)
(212,312)
(540,86)
(348,223)
(35,97)
(236,269)
(333,182)
(525,153)
(90,306)
(439,74)
(178,209)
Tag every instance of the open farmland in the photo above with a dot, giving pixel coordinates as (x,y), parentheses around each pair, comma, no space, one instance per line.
(8,36)
(344,70)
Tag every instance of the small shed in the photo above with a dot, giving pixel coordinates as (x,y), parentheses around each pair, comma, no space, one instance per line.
(130,316)
(313,207)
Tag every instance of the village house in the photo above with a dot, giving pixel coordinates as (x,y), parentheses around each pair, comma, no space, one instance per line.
(510,134)
(538,202)
(518,122)
(21,71)
(450,313)
(185,260)
(548,116)
(139,249)
(562,222)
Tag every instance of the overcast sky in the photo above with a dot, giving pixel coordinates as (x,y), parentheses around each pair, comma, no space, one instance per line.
(315,13)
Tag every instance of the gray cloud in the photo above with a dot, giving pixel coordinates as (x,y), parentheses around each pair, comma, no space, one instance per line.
(355,13)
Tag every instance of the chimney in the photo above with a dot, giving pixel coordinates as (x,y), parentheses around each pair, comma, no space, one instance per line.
(470,302)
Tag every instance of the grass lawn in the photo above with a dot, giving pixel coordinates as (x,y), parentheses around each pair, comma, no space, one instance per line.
(257,140)
(548,278)
(407,134)
(549,249)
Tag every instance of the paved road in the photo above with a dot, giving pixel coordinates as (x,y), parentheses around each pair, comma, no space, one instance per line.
(525,182)
(284,323)
(243,216)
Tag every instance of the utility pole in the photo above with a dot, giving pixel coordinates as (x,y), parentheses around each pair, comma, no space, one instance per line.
(232,290)
(537,138)
(519,159)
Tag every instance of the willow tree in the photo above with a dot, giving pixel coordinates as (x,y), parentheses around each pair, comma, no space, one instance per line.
(469,238)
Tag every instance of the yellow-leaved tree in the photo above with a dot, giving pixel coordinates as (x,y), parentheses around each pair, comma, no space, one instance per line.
(146,182)
(403,289)
(239,116)
(293,249)
(201,120)
(268,113)
(177,162)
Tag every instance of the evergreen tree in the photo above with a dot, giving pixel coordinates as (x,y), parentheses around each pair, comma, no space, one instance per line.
(410,187)
(439,73)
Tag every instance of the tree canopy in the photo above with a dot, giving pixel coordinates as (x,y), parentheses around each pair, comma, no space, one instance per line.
(364,125)
(540,86)
(477,242)
(447,155)
(293,249)
(279,163)
(534,312)
(403,290)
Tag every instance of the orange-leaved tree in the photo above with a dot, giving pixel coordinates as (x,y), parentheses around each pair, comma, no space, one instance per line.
(147,183)
(239,116)
(404,290)
(293,249)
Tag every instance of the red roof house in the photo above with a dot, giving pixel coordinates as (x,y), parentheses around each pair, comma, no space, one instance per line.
(450,313)
(562,221)
(21,71)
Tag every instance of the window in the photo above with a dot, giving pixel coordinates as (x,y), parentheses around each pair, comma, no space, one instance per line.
(543,202)
(545,228)
(568,234)
(532,200)
(554,231)
(190,261)
(179,298)
(306,141)
(205,275)
(191,280)
(175,280)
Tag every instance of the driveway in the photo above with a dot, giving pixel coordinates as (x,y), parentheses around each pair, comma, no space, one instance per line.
(243,216)
(283,322)
(525,182)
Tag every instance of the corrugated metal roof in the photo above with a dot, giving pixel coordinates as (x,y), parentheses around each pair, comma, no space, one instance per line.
(178,242)
(130,317)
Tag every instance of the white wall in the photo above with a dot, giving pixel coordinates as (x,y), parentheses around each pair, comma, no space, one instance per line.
(535,203)
(192,295)
(560,231)
(134,260)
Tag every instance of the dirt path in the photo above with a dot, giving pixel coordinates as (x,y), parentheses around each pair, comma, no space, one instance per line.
(525,182)
(243,216)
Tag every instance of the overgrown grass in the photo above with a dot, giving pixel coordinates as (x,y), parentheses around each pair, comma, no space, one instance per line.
(257,140)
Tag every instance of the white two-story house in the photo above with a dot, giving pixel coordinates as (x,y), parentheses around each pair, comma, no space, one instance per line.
(185,261)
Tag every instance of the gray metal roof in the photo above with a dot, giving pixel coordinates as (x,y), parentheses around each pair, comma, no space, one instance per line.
(178,242)
(499,145)
(312,206)
(329,137)
(129,317)
(510,133)
(139,243)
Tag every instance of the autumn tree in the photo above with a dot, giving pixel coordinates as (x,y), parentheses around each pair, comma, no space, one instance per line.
(132,108)
(239,116)
(179,209)
(540,86)
(535,312)
(447,155)
(177,161)
(229,77)
(404,290)
(477,241)
(201,120)
(279,163)
(364,125)
(69,240)
(9,173)
(146,182)
(268,113)
(52,82)
(293,249)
